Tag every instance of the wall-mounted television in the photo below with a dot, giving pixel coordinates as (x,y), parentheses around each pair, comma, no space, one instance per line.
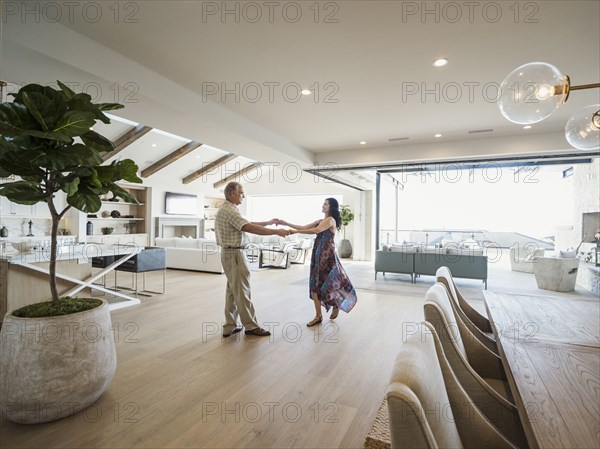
(181,204)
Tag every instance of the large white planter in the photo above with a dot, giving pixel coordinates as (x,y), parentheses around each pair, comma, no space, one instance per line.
(345,249)
(53,367)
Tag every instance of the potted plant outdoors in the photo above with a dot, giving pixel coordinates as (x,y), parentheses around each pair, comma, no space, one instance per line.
(347,218)
(56,357)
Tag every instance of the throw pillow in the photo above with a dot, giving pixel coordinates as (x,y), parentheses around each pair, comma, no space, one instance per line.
(567,254)
(186,243)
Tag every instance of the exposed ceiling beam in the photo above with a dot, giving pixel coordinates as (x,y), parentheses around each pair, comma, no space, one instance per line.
(237,175)
(127,139)
(170,158)
(208,168)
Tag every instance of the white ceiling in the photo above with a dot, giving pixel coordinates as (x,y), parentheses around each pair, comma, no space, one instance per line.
(369,56)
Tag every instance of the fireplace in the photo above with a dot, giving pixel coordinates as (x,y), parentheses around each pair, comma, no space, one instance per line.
(178,227)
(590,225)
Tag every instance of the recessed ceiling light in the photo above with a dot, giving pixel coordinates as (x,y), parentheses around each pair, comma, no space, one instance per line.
(438,135)
(305,92)
(527,127)
(153,145)
(441,62)
(363,142)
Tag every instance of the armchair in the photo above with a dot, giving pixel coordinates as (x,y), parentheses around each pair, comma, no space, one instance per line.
(524,259)
(276,256)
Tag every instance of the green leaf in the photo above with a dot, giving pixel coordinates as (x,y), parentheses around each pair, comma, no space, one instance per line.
(67,158)
(128,170)
(79,154)
(23,192)
(71,187)
(48,136)
(15,118)
(55,96)
(65,89)
(21,163)
(42,109)
(123,194)
(84,200)
(98,142)
(83,102)
(118,170)
(74,123)
(7,146)
(109,106)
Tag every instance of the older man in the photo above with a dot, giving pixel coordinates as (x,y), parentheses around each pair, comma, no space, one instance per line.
(230,227)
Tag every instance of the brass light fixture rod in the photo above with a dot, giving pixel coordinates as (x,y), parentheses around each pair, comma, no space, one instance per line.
(586,86)
(567,88)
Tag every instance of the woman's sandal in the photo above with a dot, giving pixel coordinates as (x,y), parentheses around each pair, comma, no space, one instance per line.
(334,314)
(314,321)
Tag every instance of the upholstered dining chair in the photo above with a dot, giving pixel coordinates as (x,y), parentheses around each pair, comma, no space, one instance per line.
(149,259)
(465,312)
(427,406)
(478,369)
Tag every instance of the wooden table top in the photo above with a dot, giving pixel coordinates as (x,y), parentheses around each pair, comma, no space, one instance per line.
(551,351)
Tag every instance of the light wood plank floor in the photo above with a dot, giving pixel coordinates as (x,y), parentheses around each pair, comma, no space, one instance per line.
(179,384)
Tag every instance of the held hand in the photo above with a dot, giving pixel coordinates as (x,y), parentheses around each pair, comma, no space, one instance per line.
(273,221)
(281,222)
(282,232)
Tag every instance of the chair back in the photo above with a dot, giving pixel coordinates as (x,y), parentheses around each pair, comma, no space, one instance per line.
(439,312)
(420,414)
(427,406)
(470,316)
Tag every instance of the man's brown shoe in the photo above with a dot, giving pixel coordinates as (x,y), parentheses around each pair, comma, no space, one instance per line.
(235,331)
(259,332)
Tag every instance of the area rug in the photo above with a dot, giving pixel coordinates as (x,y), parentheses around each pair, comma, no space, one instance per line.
(379,436)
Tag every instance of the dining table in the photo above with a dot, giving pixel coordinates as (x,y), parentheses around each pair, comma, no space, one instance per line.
(550,349)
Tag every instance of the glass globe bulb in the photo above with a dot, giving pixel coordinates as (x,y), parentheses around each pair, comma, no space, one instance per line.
(583,128)
(532,92)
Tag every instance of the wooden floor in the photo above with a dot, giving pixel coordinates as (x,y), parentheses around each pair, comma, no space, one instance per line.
(179,384)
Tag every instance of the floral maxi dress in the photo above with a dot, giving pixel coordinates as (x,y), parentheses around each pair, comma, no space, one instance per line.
(328,279)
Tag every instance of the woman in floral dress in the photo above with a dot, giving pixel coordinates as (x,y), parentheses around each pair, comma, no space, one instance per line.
(329,285)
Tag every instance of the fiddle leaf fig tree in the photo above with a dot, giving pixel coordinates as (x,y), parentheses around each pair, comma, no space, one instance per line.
(347,217)
(47,145)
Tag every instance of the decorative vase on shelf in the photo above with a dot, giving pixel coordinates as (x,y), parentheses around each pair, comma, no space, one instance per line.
(4,231)
(89,228)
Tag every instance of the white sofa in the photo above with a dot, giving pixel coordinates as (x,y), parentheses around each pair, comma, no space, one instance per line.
(191,254)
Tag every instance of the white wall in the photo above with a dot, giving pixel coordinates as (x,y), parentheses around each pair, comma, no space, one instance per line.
(585,200)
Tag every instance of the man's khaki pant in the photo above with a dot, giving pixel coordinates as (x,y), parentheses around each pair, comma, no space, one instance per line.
(237,295)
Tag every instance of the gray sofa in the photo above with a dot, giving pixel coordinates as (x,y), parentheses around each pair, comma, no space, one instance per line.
(462,264)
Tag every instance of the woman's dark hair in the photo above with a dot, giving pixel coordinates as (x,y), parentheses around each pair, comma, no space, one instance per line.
(334,211)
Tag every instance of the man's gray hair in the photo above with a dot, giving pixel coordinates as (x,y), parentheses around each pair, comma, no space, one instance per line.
(231,187)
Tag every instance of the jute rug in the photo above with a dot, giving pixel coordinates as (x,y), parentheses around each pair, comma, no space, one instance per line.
(379,436)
